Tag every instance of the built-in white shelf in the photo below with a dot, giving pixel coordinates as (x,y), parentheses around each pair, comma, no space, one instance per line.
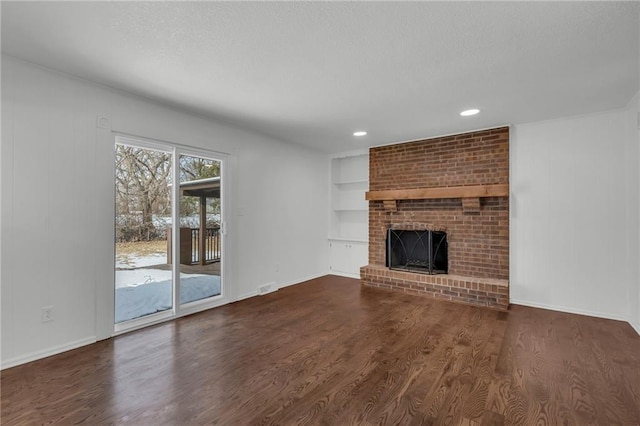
(349,207)
(355,182)
(350,210)
(349,213)
(347,240)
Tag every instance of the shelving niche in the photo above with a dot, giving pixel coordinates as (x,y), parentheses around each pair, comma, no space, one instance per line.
(349,213)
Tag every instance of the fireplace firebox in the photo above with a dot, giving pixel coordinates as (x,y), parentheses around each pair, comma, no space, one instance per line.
(422,251)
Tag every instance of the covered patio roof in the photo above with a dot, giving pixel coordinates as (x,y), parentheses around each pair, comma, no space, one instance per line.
(203,188)
(209,188)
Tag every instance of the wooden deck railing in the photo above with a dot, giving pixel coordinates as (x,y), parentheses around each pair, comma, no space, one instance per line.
(212,245)
(190,246)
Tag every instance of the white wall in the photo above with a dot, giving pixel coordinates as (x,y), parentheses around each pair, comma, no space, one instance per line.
(57,205)
(636,322)
(574,216)
(634,124)
(633,209)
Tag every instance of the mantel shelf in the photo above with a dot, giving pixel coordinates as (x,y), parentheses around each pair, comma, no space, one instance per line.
(352,182)
(475,191)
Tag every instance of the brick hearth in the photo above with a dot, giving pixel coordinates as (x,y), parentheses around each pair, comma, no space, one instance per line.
(476,291)
(477,226)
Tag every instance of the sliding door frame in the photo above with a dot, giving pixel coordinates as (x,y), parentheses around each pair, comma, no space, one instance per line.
(177,310)
(197,305)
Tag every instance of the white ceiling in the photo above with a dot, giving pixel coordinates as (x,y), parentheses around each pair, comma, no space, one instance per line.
(314,72)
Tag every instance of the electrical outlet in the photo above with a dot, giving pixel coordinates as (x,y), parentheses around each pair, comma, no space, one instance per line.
(47,313)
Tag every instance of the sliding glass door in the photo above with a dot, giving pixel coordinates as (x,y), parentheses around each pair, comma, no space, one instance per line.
(144,279)
(168,239)
(200,220)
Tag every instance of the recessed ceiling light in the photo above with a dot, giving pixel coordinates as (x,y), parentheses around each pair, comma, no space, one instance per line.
(469,112)
(360,133)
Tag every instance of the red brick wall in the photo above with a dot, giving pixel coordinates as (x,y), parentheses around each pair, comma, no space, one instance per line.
(477,158)
(478,240)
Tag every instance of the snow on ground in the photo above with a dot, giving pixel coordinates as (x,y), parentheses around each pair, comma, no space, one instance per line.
(129,261)
(154,296)
(142,291)
(163,222)
(136,277)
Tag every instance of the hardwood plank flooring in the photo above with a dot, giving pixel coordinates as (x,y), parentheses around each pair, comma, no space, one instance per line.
(328,352)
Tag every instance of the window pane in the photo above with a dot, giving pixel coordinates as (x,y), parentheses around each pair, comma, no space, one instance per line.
(143,231)
(200,239)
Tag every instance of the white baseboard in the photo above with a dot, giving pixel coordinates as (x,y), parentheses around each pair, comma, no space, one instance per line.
(301,280)
(46,353)
(635,326)
(282,285)
(345,274)
(568,310)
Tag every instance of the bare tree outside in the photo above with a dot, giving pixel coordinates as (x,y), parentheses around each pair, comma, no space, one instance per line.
(143,179)
(143,192)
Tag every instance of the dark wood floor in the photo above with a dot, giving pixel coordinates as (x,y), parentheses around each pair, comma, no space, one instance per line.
(329,352)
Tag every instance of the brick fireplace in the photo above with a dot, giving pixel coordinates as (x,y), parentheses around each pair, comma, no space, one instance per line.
(455,184)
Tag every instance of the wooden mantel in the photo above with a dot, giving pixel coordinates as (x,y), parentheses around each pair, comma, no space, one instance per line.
(469,194)
(476,191)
